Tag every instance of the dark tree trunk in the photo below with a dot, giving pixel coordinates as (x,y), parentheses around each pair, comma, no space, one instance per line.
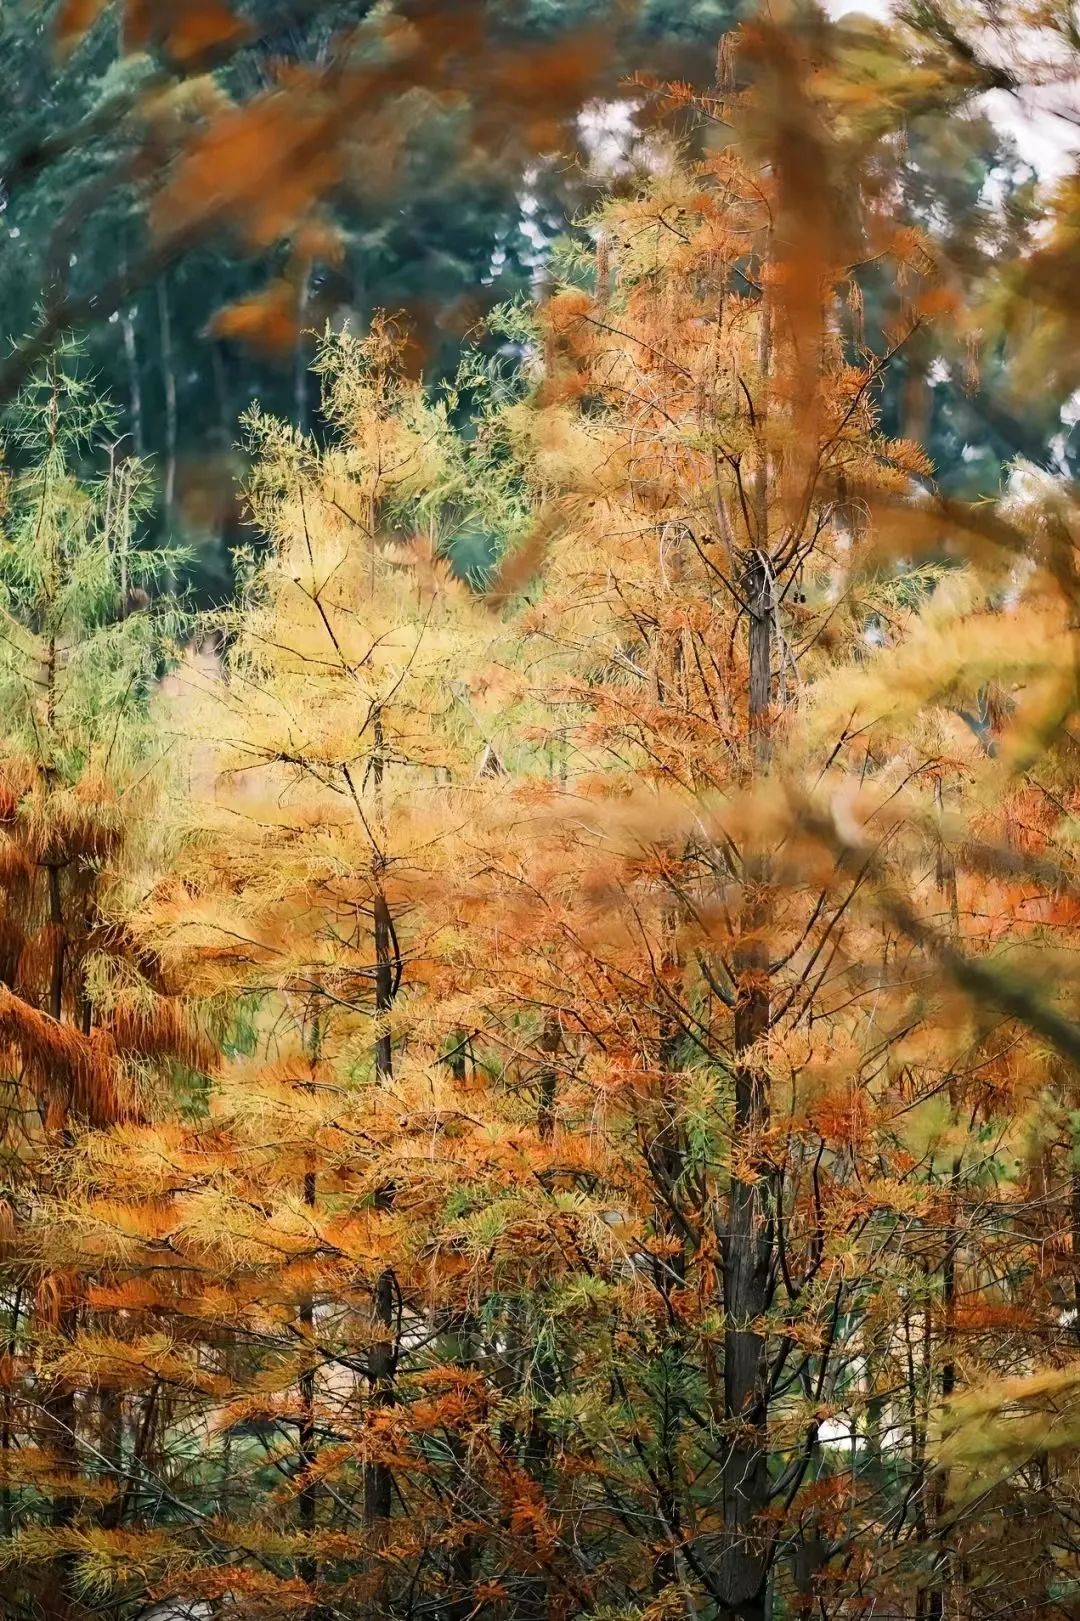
(748,1240)
(378,1483)
(384,988)
(307,1500)
(550,1041)
(382,1358)
(669,1161)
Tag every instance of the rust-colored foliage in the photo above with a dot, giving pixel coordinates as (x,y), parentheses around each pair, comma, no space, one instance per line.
(75,18)
(186,30)
(638,1176)
(267,320)
(255,170)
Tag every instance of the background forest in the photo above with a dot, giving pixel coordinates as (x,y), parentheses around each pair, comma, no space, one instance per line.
(539,854)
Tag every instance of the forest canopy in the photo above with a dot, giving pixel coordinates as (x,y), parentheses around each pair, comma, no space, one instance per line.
(538,833)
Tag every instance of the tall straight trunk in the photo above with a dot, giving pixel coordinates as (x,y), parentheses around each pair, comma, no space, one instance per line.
(168,380)
(533,1599)
(382,1360)
(307,1500)
(670,1272)
(60,1402)
(932,1601)
(11,1350)
(384,987)
(302,357)
(386,962)
(462,1562)
(748,1240)
(168,377)
(135,402)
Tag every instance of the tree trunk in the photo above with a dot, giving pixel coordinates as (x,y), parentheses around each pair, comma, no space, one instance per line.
(135,404)
(302,356)
(747,1247)
(550,1041)
(306,1445)
(462,1562)
(382,1360)
(168,374)
(111,1444)
(384,987)
(669,1271)
(12,1351)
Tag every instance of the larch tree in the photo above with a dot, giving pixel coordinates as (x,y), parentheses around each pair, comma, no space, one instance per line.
(643,1119)
(657,1314)
(336,754)
(704,546)
(88,1029)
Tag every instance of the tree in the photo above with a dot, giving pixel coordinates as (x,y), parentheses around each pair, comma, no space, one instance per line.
(85,1024)
(436,228)
(643,975)
(344,663)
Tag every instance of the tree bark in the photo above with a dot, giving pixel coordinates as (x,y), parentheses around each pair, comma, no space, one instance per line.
(306,1444)
(748,1240)
(135,403)
(378,1483)
(382,1361)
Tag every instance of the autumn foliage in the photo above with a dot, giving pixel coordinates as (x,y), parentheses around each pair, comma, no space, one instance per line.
(550,1094)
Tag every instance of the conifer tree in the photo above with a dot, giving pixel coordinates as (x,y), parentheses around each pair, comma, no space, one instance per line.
(85,1021)
(608,1005)
(643,1125)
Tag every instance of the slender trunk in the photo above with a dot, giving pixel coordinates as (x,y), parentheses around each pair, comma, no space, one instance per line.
(12,1348)
(603,269)
(534,1599)
(462,1563)
(382,1362)
(59,1406)
(387,961)
(56,921)
(300,381)
(306,1446)
(934,1598)
(384,988)
(111,1447)
(747,1249)
(142,1444)
(50,682)
(168,378)
(670,1271)
(550,1041)
(929,1600)
(125,543)
(135,401)
(168,374)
